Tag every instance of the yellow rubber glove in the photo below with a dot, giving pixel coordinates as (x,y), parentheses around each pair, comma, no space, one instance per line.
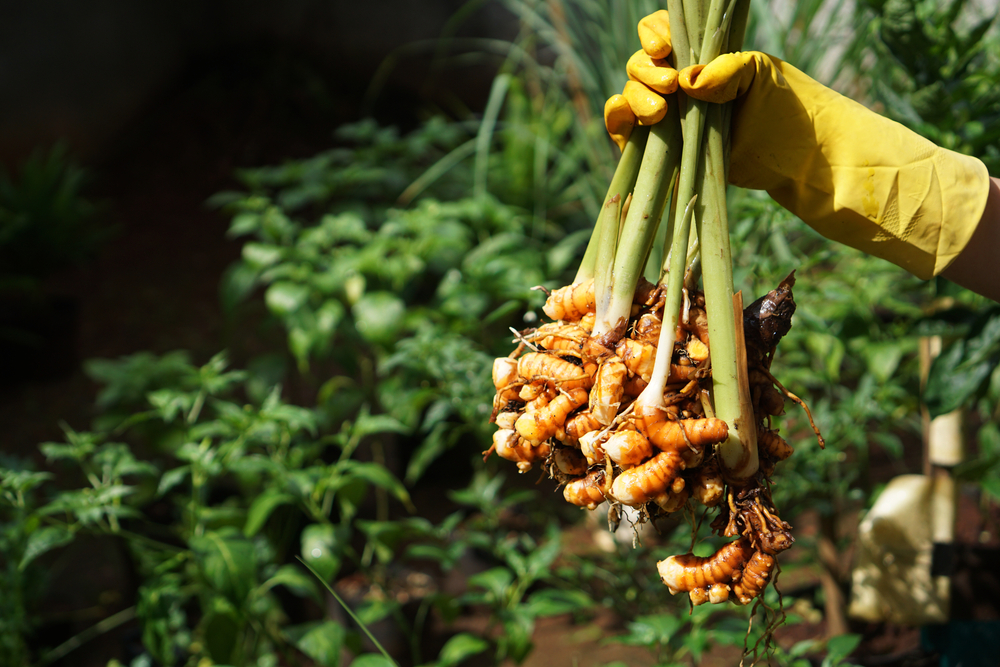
(619,119)
(650,78)
(854,176)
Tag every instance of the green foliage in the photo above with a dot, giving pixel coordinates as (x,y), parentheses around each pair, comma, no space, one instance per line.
(940,72)
(46,222)
(940,81)
(225,467)
(408,303)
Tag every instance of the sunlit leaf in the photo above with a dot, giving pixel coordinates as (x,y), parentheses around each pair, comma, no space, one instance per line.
(320,550)
(321,641)
(284,298)
(262,507)
(42,541)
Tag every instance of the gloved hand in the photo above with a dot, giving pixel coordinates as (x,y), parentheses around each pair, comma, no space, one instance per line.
(650,78)
(851,174)
(854,176)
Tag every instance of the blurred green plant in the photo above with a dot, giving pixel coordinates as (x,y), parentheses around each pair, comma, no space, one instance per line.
(935,70)
(251,487)
(408,304)
(46,221)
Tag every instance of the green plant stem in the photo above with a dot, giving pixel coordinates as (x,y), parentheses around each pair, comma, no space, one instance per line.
(703,184)
(678,34)
(350,612)
(652,395)
(77,640)
(693,26)
(652,186)
(716,38)
(739,452)
(608,222)
(738,27)
(621,184)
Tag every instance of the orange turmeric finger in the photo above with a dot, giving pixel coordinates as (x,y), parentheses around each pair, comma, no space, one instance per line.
(540,425)
(755,576)
(674,436)
(606,395)
(637,486)
(586,491)
(564,374)
(571,302)
(687,572)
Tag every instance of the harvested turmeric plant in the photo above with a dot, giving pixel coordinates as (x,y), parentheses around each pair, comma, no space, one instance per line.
(659,396)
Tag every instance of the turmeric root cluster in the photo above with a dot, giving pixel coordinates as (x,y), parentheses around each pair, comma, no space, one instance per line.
(741,569)
(565,401)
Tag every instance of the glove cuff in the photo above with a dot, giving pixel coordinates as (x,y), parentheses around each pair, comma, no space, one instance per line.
(919,216)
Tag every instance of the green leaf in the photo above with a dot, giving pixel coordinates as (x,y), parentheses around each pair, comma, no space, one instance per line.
(378,316)
(539,561)
(515,640)
(438,441)
(445,556)
(300,344)
(372,660)
(295,580)
(321,641)
(562,253)
(496,581)
(828,348)
(261,255)
(839,647)
(378,475)
(652,631)
(460,647)
(367,424)
(883,358)
(284,298)
(44,540)
(985,337)
(170,403)
(328,317)
(961,371)
(221,629)
(227,563)
(552,602)
(319,550)
(950,382)
(375,610)
(261,508)
(172,478)
(237,283)
(244,223)
(22,481)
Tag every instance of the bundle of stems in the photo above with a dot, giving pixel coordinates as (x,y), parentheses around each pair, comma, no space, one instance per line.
(686,155)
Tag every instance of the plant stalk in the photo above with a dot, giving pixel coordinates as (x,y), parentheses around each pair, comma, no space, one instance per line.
(703,184)
(621,184)
(653,184)
(607,223)
(739,452)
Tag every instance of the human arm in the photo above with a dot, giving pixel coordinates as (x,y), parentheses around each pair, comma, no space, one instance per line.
(977,267)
